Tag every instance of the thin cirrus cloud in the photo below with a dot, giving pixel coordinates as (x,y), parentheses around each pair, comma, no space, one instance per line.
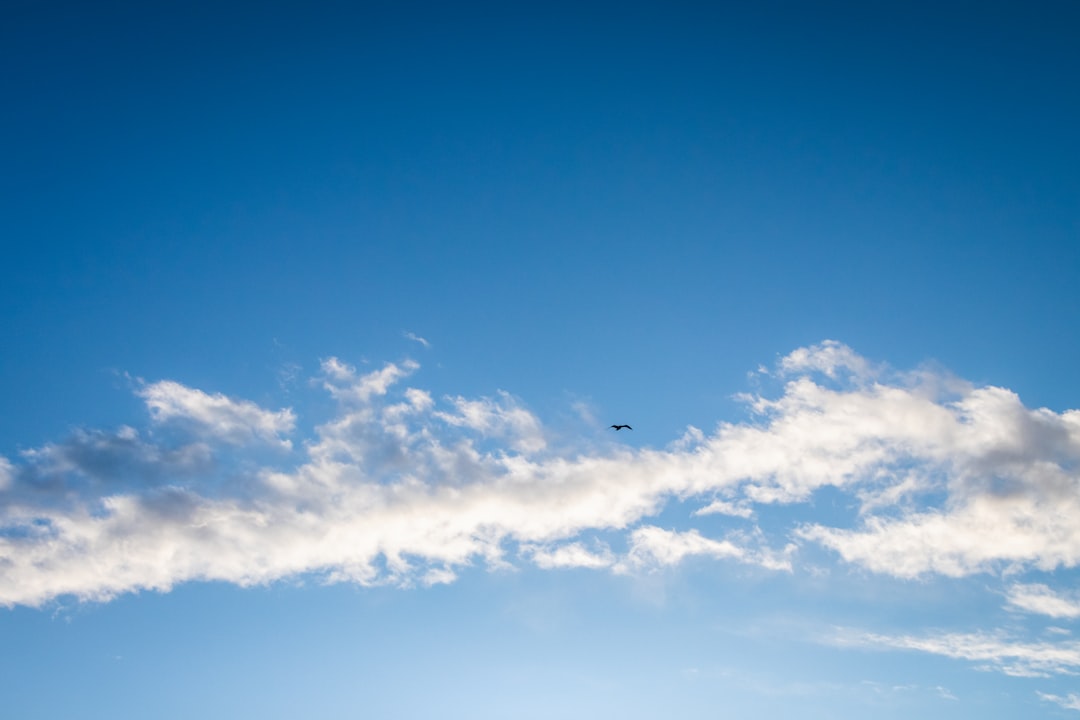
(416,338)
(399,488)
(1042,600)
(1069,702)
(989,650)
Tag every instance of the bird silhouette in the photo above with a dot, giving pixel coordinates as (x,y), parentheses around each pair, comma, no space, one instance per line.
(620,427)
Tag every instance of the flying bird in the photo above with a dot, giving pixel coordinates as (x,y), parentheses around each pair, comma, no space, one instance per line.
(620,427)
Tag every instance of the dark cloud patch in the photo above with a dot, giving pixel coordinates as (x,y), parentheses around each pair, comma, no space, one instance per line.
(93,463)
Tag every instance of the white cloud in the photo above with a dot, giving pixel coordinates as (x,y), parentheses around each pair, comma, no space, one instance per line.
(342,382)
(654,547)
(416,338)
(397,488)
(1069,702)
(234,421)
(991,651)
(1038,598)
(571,555)
(982,531)
(828,357)
(501,418)
(438,576)
(1009,475)
(722,507)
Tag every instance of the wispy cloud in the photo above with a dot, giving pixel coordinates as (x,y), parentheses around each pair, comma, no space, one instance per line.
(990,651)
(1041,599)
(723,507)
(7,473)
(654,547)
(416,338)
(235,421)
(572,555)
(1069,702)
(342,381)
(397,487)
(501,418)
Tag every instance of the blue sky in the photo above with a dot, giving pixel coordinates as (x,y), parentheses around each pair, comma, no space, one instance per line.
(316,318)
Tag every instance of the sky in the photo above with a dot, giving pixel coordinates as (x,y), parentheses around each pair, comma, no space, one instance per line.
(316,317)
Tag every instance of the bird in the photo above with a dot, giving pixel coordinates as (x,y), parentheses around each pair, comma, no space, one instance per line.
(620,427)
